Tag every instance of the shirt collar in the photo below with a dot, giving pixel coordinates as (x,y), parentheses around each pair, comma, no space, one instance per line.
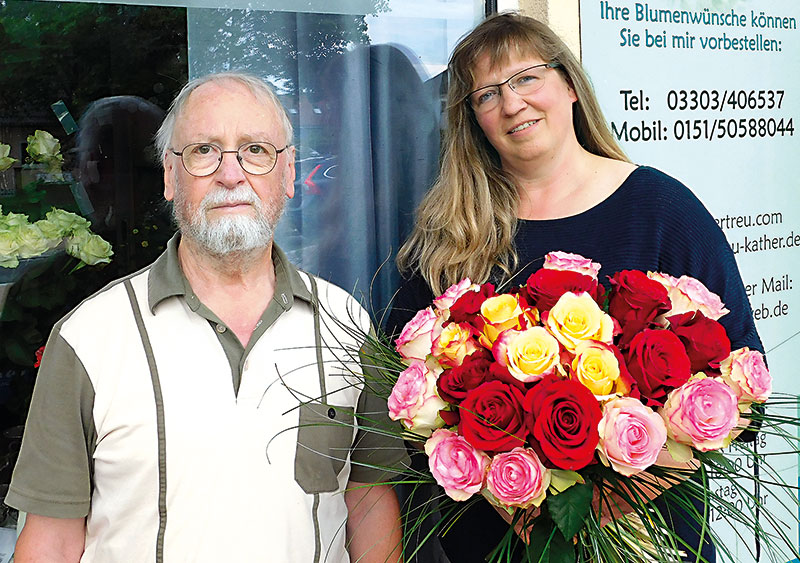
(166,279)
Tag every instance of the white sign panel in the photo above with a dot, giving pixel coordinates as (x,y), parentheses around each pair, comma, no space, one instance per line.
(709,92)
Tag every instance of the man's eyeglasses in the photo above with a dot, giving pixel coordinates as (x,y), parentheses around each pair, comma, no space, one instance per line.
(203,159)
(527,81)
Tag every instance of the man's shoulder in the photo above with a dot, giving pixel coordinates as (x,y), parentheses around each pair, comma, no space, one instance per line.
(338,303)
(103,305)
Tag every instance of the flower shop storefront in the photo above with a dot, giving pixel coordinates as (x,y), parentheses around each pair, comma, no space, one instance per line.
(85,85)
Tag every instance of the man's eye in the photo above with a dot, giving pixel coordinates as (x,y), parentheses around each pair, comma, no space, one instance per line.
(203,149)
(255,149)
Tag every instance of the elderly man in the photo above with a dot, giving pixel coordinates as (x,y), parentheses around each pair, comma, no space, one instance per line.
(206,408)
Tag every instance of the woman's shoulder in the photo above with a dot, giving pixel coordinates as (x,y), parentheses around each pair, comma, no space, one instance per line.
(650,188)
(412,295)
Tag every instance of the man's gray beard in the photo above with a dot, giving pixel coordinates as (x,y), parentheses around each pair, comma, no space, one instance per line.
(228,234)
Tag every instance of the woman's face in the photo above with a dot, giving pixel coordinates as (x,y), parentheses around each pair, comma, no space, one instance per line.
(531,129)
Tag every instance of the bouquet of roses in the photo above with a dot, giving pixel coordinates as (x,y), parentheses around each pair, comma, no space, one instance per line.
(570,407)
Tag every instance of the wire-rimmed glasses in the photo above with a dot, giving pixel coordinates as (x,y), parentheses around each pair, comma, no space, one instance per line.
(203,159)
(526,81)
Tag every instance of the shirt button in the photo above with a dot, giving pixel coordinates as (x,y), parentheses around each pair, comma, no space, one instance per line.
(221,328)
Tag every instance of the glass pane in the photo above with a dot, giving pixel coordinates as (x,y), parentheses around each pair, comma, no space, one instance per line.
(365,92)
(98,77)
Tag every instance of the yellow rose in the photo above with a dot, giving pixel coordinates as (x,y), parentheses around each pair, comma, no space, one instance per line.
(596,366)
(501,313)
(454,344)
(577,317)
(528,355)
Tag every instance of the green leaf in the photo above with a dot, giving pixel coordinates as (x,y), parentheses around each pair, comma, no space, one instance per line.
(548,545)
(719,459)
(561,480)
(538,549)
(570,508)
(561,550)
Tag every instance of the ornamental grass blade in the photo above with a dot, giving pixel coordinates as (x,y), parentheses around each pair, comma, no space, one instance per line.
(569,509)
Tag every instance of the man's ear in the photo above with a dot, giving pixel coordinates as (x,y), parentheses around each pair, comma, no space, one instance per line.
(290,172)
(169,177)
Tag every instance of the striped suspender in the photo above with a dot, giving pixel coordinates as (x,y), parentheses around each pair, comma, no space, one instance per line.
(323,394)
(162,438)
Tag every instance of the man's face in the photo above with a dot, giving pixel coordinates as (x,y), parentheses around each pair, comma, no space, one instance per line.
(230,210)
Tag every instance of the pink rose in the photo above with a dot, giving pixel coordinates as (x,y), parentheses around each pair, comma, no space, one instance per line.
(688,294)
(631,435)
(571,263)
(416,339)
(518,478)
(457,466)
(414,401)
(747,374)
(451,295)
(701,413)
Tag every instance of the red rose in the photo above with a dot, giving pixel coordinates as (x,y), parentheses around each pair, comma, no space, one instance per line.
(492,417)
(705,340)
(657,361)
(546,286)
(635,301)
(468,306)
(39,353)
(563,415)
(454,383)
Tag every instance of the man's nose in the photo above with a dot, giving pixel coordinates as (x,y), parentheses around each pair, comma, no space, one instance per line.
(230,171)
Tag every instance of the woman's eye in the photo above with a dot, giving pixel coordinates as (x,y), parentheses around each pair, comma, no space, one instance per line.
(485,97)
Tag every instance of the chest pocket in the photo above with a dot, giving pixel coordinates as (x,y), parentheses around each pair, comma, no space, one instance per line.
(324,439)
(325,432)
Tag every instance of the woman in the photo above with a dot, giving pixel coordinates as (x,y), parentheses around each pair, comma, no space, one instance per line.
(530,166)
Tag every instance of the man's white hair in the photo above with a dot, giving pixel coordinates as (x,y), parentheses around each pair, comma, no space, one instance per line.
(258,87)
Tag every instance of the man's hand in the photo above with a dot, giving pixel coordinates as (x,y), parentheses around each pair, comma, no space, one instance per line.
(51,540)
(374,534)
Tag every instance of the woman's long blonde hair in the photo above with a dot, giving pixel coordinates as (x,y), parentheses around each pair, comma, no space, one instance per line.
(465,224)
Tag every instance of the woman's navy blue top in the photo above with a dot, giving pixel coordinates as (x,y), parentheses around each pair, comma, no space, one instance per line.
(651,222)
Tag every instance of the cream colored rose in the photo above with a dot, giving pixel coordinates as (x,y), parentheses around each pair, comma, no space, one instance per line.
(9,250)
(89,248)
(13,220)
(575,318)
(69,223)
(528,355)
(596,366)
(501,312)
(52,231)
(5,160)
(31,240)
